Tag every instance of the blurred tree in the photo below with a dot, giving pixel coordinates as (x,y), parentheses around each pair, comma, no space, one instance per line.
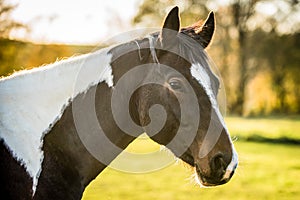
(281,55)
(152,12)
(241,12)
(8,49)
(8,55)
(7,24)
(280,49)
(23,55)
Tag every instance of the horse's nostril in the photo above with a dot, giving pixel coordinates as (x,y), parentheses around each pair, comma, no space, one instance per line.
(218,163)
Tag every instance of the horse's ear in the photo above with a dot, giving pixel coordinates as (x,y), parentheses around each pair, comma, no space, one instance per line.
(171,26)
(207,30)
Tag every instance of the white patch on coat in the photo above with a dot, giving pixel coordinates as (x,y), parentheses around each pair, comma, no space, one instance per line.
(32,101)
(201,75)
(232,165)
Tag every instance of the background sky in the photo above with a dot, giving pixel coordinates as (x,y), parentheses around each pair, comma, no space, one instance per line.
(92,21)
(73,22)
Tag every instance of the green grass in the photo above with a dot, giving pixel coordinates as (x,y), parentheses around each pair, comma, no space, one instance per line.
(272,127)
(266,171)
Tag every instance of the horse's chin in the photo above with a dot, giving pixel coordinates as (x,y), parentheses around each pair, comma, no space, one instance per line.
(189,161)
(205,182)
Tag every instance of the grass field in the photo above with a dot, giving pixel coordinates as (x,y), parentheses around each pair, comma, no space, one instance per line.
(272,127)
(266,170)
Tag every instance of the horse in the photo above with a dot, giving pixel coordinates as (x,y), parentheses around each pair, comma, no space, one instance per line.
(63,123)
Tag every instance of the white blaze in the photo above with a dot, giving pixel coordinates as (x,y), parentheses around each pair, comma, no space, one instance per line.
(200,74)
(32,101)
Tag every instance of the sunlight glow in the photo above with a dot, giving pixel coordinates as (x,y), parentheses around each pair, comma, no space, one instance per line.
(268,9)
(74,22)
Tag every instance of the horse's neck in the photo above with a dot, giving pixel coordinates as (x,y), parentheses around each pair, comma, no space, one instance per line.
(67,164)
(66,154)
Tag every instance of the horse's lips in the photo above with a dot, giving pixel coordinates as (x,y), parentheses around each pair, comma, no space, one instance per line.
(199,177)
(206,182)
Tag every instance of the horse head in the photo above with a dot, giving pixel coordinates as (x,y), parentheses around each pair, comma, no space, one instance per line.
(179,94)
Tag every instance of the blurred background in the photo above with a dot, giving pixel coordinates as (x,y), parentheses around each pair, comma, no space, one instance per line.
(256,48)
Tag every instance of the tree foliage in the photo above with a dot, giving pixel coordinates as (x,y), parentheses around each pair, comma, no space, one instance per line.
(7,24)
(279,55)
(17,55)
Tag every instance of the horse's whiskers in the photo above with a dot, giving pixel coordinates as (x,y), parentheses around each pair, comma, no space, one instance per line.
(234,139)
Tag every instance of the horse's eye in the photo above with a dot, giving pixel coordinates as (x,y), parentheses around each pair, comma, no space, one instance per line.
(175,85)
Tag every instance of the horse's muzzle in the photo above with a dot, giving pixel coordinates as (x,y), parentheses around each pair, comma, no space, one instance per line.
(218,174)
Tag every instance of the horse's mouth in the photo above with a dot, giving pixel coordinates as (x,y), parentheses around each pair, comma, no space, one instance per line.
(218,177)
(213,180)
